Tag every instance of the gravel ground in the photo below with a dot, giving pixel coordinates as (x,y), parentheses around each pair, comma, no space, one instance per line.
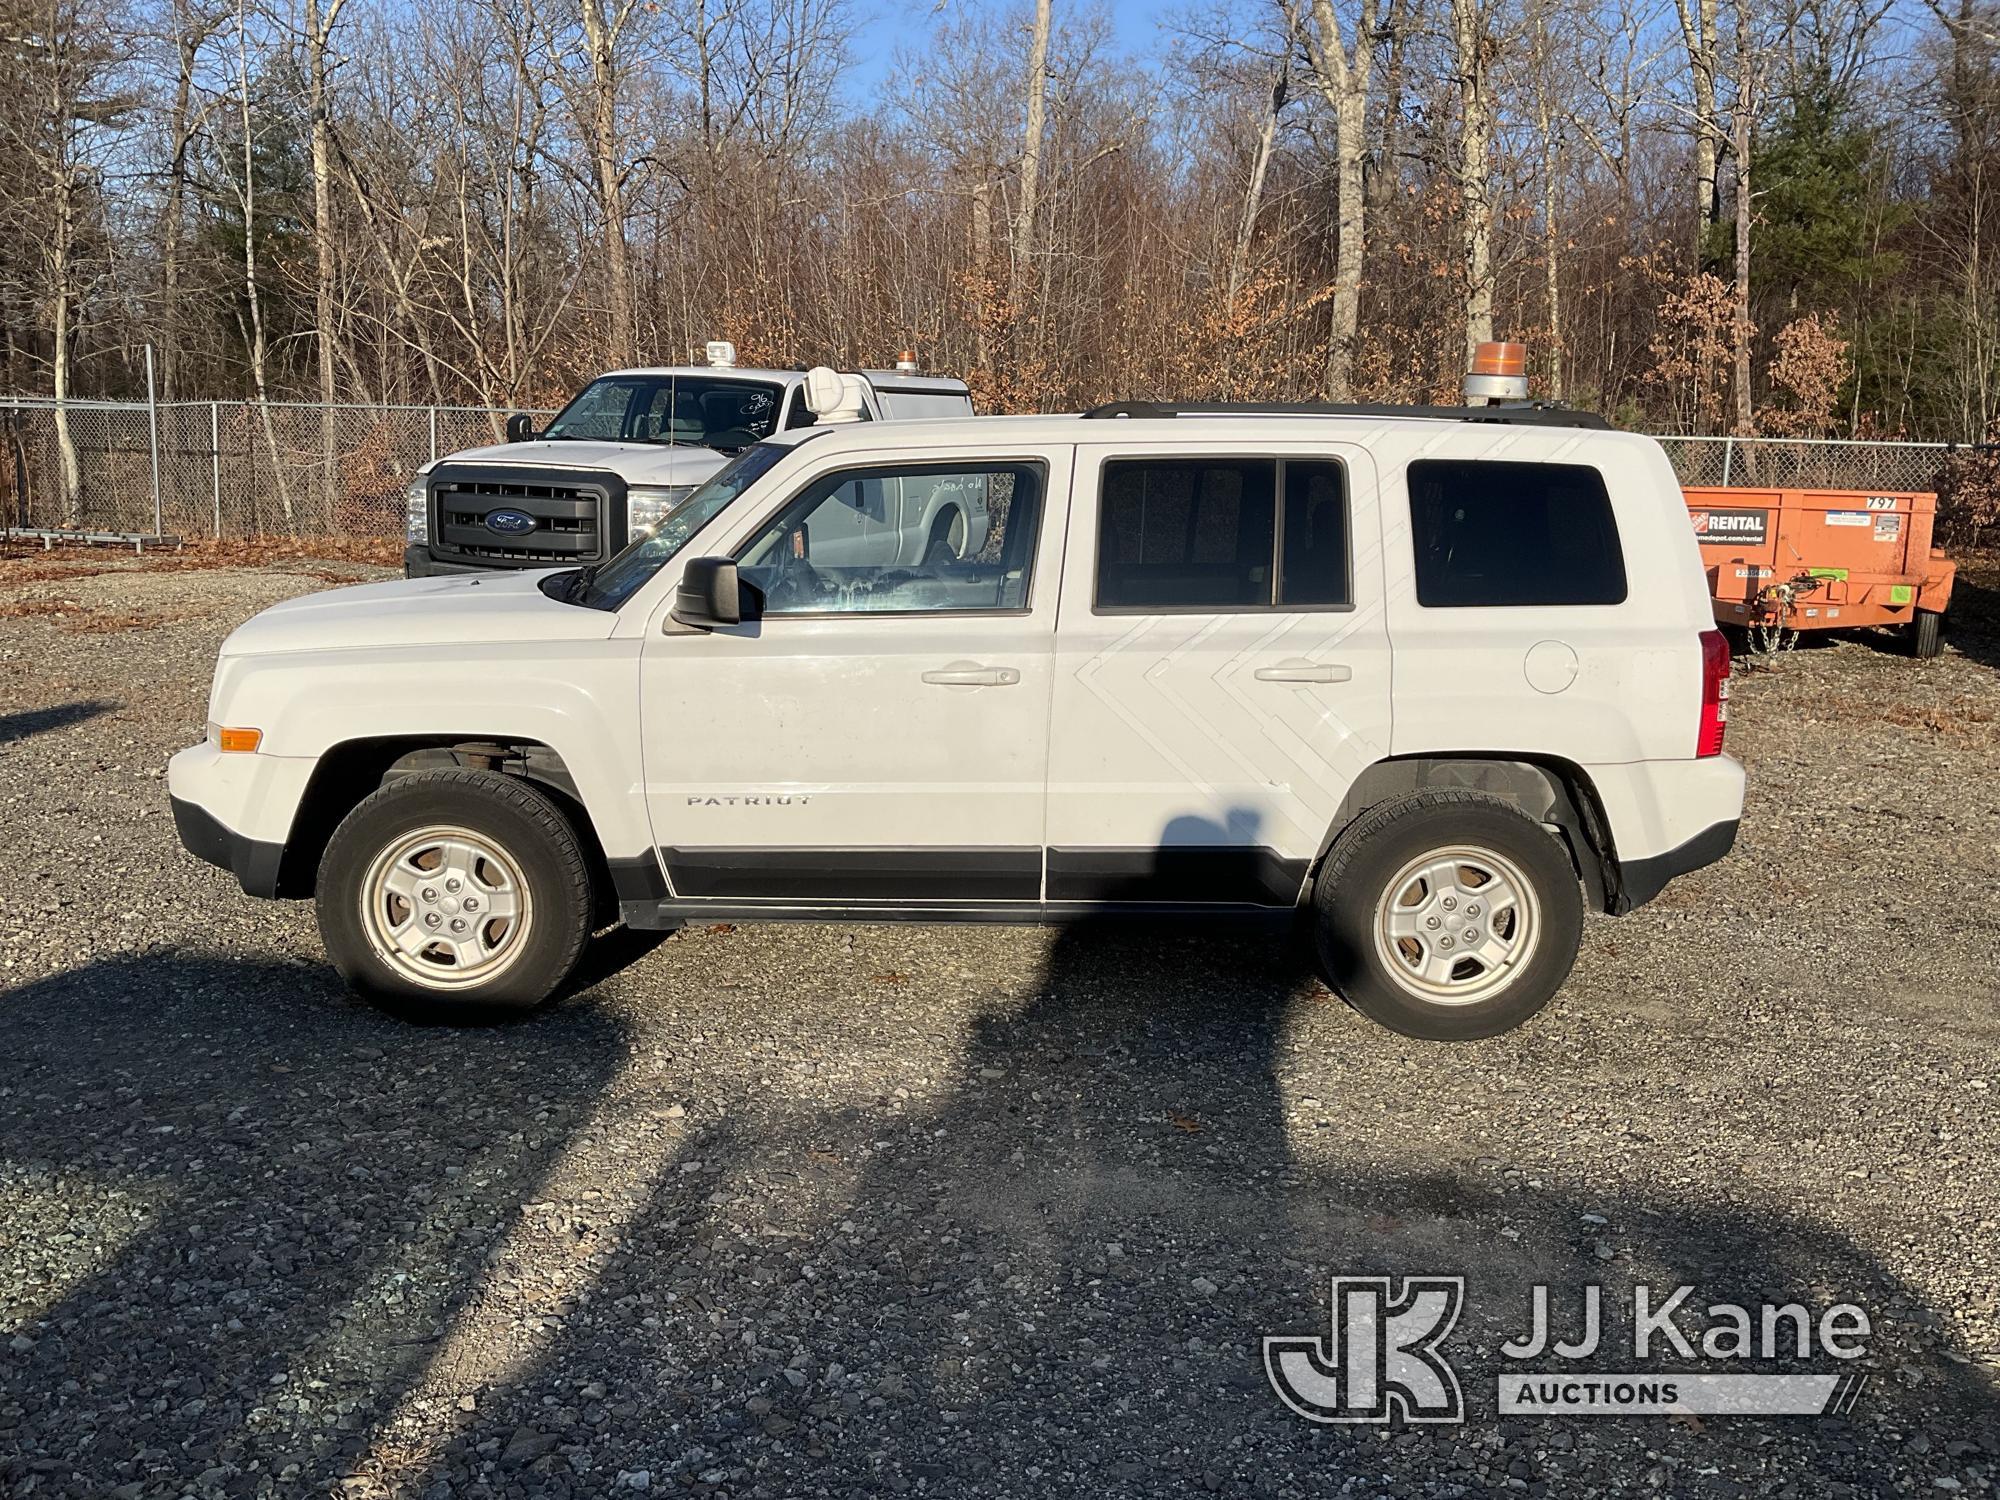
(851,1210)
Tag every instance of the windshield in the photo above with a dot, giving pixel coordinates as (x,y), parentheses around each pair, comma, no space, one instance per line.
(703,411)
(621,577)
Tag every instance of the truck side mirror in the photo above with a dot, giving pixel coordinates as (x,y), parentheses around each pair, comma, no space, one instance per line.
(520,427)
(710,593)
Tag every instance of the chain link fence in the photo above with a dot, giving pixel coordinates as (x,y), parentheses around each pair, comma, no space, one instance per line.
(222,469)
(235,469)
(1806,463)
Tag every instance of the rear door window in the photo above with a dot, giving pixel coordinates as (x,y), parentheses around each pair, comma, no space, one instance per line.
(1221,535)
(1513,534)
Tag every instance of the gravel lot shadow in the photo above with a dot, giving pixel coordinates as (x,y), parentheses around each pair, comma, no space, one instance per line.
(1053,1277)
(1973,625)
(277,1203)
(19,726)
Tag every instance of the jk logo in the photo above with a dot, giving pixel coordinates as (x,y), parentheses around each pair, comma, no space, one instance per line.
(1382,1356)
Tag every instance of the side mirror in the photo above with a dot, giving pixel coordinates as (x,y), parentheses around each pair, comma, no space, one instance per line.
(520,427)
(709,594)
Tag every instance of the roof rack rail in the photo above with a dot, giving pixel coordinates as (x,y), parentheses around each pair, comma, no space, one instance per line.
(1531,414)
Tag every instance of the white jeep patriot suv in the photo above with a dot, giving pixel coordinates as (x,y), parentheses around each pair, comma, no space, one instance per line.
(1430,681)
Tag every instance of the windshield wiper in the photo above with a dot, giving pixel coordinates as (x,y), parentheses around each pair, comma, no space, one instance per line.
(569,588)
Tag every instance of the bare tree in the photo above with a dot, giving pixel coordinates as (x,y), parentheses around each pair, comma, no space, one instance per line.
(1698,36)
(606,24)
(1742,128)
(1253,192)
(1036,87)
(319,19)
(68,53)
(1342,68)
(192,24)
(252,291)
(1470,42)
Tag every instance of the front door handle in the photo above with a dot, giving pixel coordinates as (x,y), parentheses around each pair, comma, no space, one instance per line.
(971,674)
(1300,670)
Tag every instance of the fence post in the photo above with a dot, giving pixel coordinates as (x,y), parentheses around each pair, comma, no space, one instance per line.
(215,462)
(434,434)
(153,437)
(1728,450)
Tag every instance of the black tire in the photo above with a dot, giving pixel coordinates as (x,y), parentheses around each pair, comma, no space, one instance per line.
(519,822)
(1927,634)
(940,550)
(1367,859)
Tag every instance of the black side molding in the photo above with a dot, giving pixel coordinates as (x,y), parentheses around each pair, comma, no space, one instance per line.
(668,915)
(254,864)
(1640,880)
(840,876)
(637,878)
(1230,875)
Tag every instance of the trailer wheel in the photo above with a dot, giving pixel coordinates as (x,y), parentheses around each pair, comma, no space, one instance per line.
(1927,634)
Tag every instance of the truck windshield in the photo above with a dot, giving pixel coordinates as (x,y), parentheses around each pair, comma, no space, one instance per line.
(615,582)
(703,411)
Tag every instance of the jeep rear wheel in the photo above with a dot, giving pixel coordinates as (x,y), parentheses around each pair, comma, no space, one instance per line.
(455,887)
(1447,915)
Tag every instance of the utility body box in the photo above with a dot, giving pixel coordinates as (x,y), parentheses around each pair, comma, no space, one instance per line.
(1819,559)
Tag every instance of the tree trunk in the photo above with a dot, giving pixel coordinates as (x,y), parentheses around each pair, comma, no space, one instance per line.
(1698,36)
(982,270)
(62,269)
(601,33)
(188,38)
(1388,167)
(1544,64)
(1029,208)
(319,31)
(1746,104)
(1253,195)
(1475,133)
(1344,81)
(251,295)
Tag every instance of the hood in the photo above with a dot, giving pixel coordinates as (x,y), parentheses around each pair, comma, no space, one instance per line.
(478,609)
(635,463)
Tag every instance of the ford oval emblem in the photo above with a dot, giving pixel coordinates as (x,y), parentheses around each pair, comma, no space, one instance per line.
(510,522)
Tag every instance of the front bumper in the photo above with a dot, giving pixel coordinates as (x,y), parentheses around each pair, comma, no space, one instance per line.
(255,865)
(235,811)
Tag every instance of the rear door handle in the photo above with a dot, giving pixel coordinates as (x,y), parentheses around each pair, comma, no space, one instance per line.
(971,674)
(1300,670)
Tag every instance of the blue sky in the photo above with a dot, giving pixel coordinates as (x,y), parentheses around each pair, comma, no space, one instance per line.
(889,24)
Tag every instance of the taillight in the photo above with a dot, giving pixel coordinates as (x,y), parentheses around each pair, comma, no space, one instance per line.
(1714,693)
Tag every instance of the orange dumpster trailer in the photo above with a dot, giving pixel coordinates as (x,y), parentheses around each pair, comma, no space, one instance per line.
(1781,561)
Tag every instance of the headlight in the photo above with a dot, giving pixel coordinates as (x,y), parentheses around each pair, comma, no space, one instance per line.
(417,509)
(648,505)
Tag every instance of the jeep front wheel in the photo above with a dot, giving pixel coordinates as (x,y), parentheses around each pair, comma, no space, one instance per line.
(1447,915)
(455,886)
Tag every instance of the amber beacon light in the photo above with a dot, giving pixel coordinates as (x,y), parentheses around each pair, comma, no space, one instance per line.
(1499,373)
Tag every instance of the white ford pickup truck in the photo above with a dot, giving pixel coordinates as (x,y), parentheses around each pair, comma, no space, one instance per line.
(629,448)
(1428,682)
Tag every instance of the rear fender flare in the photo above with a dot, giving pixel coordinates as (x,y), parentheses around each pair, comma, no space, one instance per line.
(1556,793)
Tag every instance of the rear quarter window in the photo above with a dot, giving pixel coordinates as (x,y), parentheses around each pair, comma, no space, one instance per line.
(1513,534)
